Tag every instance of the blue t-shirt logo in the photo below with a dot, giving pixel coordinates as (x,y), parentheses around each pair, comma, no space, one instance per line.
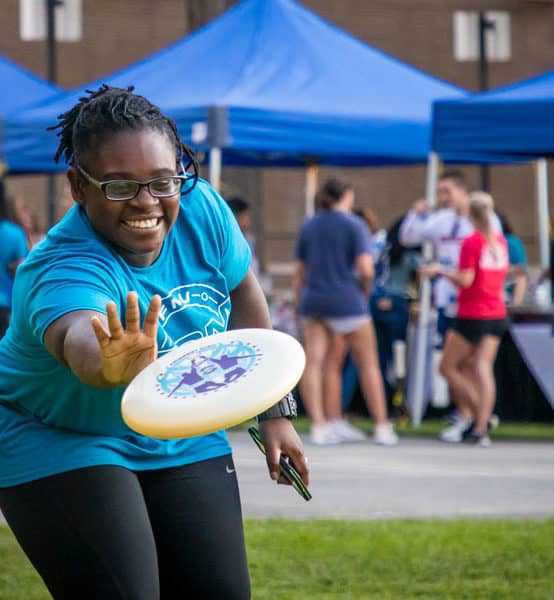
(204,306)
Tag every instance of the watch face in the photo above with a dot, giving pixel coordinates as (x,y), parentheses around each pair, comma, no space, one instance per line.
(292,404)
(286,407)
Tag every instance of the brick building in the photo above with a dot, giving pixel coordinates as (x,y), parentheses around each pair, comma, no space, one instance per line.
(118,32)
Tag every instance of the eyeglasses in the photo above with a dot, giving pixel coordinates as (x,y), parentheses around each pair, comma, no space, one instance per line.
(127,189)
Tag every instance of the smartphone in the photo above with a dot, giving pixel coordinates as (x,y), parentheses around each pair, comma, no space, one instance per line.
(287,470)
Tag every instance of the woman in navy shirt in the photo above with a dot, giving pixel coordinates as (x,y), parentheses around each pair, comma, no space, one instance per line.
(333,273)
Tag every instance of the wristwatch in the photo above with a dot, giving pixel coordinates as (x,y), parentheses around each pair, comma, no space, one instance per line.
(286,407)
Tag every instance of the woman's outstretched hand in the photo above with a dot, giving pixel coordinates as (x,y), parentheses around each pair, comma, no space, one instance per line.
(127,351)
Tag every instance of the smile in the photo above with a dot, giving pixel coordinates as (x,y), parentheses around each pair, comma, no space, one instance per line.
(143,223)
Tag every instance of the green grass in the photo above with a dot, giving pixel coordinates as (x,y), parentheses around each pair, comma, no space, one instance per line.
(535,432)
(366,560)
(18,580)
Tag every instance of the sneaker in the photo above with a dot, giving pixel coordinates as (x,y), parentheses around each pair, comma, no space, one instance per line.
(494,421)
(384,435)
(454,433)
(346,432)
(451,418)
(478,439)
(323,435)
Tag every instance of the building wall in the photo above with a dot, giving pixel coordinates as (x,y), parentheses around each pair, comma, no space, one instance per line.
(119,32)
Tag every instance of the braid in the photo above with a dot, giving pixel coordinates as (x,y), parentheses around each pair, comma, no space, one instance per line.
(108,110)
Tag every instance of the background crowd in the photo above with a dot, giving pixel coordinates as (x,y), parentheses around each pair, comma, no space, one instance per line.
(354,304)
(354,300)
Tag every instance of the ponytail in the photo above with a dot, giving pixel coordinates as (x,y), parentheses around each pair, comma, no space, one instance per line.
(331,193)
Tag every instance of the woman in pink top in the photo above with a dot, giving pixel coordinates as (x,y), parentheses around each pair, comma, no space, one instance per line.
(481,317)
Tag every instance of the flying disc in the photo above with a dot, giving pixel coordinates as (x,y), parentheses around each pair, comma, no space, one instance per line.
(213,383)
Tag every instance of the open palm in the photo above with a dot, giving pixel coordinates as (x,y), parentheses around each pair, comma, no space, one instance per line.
(125,351)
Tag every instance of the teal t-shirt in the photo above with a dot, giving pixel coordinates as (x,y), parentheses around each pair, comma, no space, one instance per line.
(516,250)
(13,247)
(51,422)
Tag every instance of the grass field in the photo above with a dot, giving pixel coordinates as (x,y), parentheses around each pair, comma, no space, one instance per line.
(368,560)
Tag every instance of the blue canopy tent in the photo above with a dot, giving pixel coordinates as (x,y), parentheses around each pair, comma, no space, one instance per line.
(517,119)
(297,90)
(20,88)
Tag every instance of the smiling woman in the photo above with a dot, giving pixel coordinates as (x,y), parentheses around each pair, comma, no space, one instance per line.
(101,511)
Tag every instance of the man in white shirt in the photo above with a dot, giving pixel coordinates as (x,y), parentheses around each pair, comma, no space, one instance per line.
(446,228)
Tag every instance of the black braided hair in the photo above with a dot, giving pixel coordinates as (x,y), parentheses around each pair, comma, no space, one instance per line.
(108,110)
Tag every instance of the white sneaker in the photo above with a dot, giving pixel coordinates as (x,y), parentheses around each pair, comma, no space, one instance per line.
(346,432)
(455,433)
(384,435)
(323,435)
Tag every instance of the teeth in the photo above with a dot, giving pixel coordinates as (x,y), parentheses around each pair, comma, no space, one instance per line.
(142,224)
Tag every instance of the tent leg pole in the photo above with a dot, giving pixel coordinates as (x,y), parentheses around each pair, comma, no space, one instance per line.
(542,205)
(215,168)
(312,171)
(424,304)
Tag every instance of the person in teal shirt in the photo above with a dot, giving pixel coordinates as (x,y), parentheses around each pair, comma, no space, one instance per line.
(149,257)
(516,282)
(13,249)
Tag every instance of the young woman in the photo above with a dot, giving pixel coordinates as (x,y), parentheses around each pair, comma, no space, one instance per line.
(333,273)
(481,317)
(101,511)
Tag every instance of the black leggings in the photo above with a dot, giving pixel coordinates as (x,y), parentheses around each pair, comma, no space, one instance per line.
(4,320)
(109,533)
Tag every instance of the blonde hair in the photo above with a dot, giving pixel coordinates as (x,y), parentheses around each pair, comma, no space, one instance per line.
(481,207)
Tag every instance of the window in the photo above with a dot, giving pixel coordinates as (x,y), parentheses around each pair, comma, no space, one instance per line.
(497,36)
(33,20)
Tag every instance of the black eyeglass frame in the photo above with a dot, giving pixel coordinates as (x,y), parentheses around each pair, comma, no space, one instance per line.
(101,185)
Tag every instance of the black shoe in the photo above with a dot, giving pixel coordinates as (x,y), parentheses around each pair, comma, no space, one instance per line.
(492,423)
(477,439)
(467,431)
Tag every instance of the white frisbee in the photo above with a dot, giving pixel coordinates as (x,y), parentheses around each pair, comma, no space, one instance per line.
(213,383)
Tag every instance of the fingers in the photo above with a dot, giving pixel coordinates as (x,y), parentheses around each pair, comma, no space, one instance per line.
(300,463)
(132,313)
(272,456)
(101,334)
(150,326)
(114,322)
(116,331)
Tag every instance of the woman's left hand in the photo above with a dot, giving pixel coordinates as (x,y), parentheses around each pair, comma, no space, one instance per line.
(281,439)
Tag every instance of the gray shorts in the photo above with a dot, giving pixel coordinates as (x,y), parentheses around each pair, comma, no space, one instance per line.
(343,325)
